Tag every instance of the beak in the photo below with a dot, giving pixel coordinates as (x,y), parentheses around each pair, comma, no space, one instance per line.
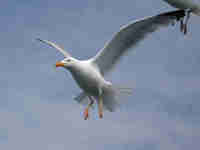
(60,64)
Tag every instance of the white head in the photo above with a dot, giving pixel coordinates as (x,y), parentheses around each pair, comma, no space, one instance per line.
(67,63)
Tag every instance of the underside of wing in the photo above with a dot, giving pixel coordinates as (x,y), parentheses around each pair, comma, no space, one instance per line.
(130,35)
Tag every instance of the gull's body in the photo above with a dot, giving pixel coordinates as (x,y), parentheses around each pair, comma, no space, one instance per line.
(190,6)
(88,77)
(89,74)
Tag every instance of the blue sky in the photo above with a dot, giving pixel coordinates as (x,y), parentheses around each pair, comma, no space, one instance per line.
(36,106)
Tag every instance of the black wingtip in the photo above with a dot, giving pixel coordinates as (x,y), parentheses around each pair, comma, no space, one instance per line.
(177,13)
(38,39)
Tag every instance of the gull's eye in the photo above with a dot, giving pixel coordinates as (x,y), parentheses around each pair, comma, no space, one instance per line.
(68,60)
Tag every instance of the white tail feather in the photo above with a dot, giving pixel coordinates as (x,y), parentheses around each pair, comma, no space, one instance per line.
(112,95)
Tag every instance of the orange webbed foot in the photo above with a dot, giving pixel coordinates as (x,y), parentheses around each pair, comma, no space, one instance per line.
(86,114)
(100,115)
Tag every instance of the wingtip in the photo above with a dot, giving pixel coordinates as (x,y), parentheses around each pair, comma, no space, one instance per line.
(38,39)
(177,13)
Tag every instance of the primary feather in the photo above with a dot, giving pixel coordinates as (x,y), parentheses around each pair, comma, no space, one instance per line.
(193,5)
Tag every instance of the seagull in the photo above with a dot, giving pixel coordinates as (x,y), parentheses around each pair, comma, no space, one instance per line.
(190,6)
(89,74)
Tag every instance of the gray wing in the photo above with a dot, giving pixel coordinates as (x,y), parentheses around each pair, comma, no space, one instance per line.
(130,35)
(65,53)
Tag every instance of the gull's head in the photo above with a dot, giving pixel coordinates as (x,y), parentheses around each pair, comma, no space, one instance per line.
(67,63)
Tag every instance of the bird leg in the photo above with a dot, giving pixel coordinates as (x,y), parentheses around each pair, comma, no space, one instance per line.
(86,112)
(100,107)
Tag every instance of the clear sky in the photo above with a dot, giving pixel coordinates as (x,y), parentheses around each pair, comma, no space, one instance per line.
(37,110)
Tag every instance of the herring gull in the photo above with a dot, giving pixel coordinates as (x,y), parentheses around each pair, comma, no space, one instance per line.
(89,74)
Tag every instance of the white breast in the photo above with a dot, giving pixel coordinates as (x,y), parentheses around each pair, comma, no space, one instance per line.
(88,77)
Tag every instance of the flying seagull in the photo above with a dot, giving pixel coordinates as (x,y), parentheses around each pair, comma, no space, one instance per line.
(89,74)
(190,6)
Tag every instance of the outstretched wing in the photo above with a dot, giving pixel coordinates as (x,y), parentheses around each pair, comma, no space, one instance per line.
(131,34)
(66,54)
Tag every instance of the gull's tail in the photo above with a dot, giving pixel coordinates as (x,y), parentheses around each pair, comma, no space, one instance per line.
(112,95)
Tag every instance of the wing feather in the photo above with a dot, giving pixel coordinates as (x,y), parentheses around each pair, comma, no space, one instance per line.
(130,35)
(66,54)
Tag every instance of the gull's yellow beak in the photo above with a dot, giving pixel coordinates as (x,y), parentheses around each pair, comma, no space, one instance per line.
(60,64)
